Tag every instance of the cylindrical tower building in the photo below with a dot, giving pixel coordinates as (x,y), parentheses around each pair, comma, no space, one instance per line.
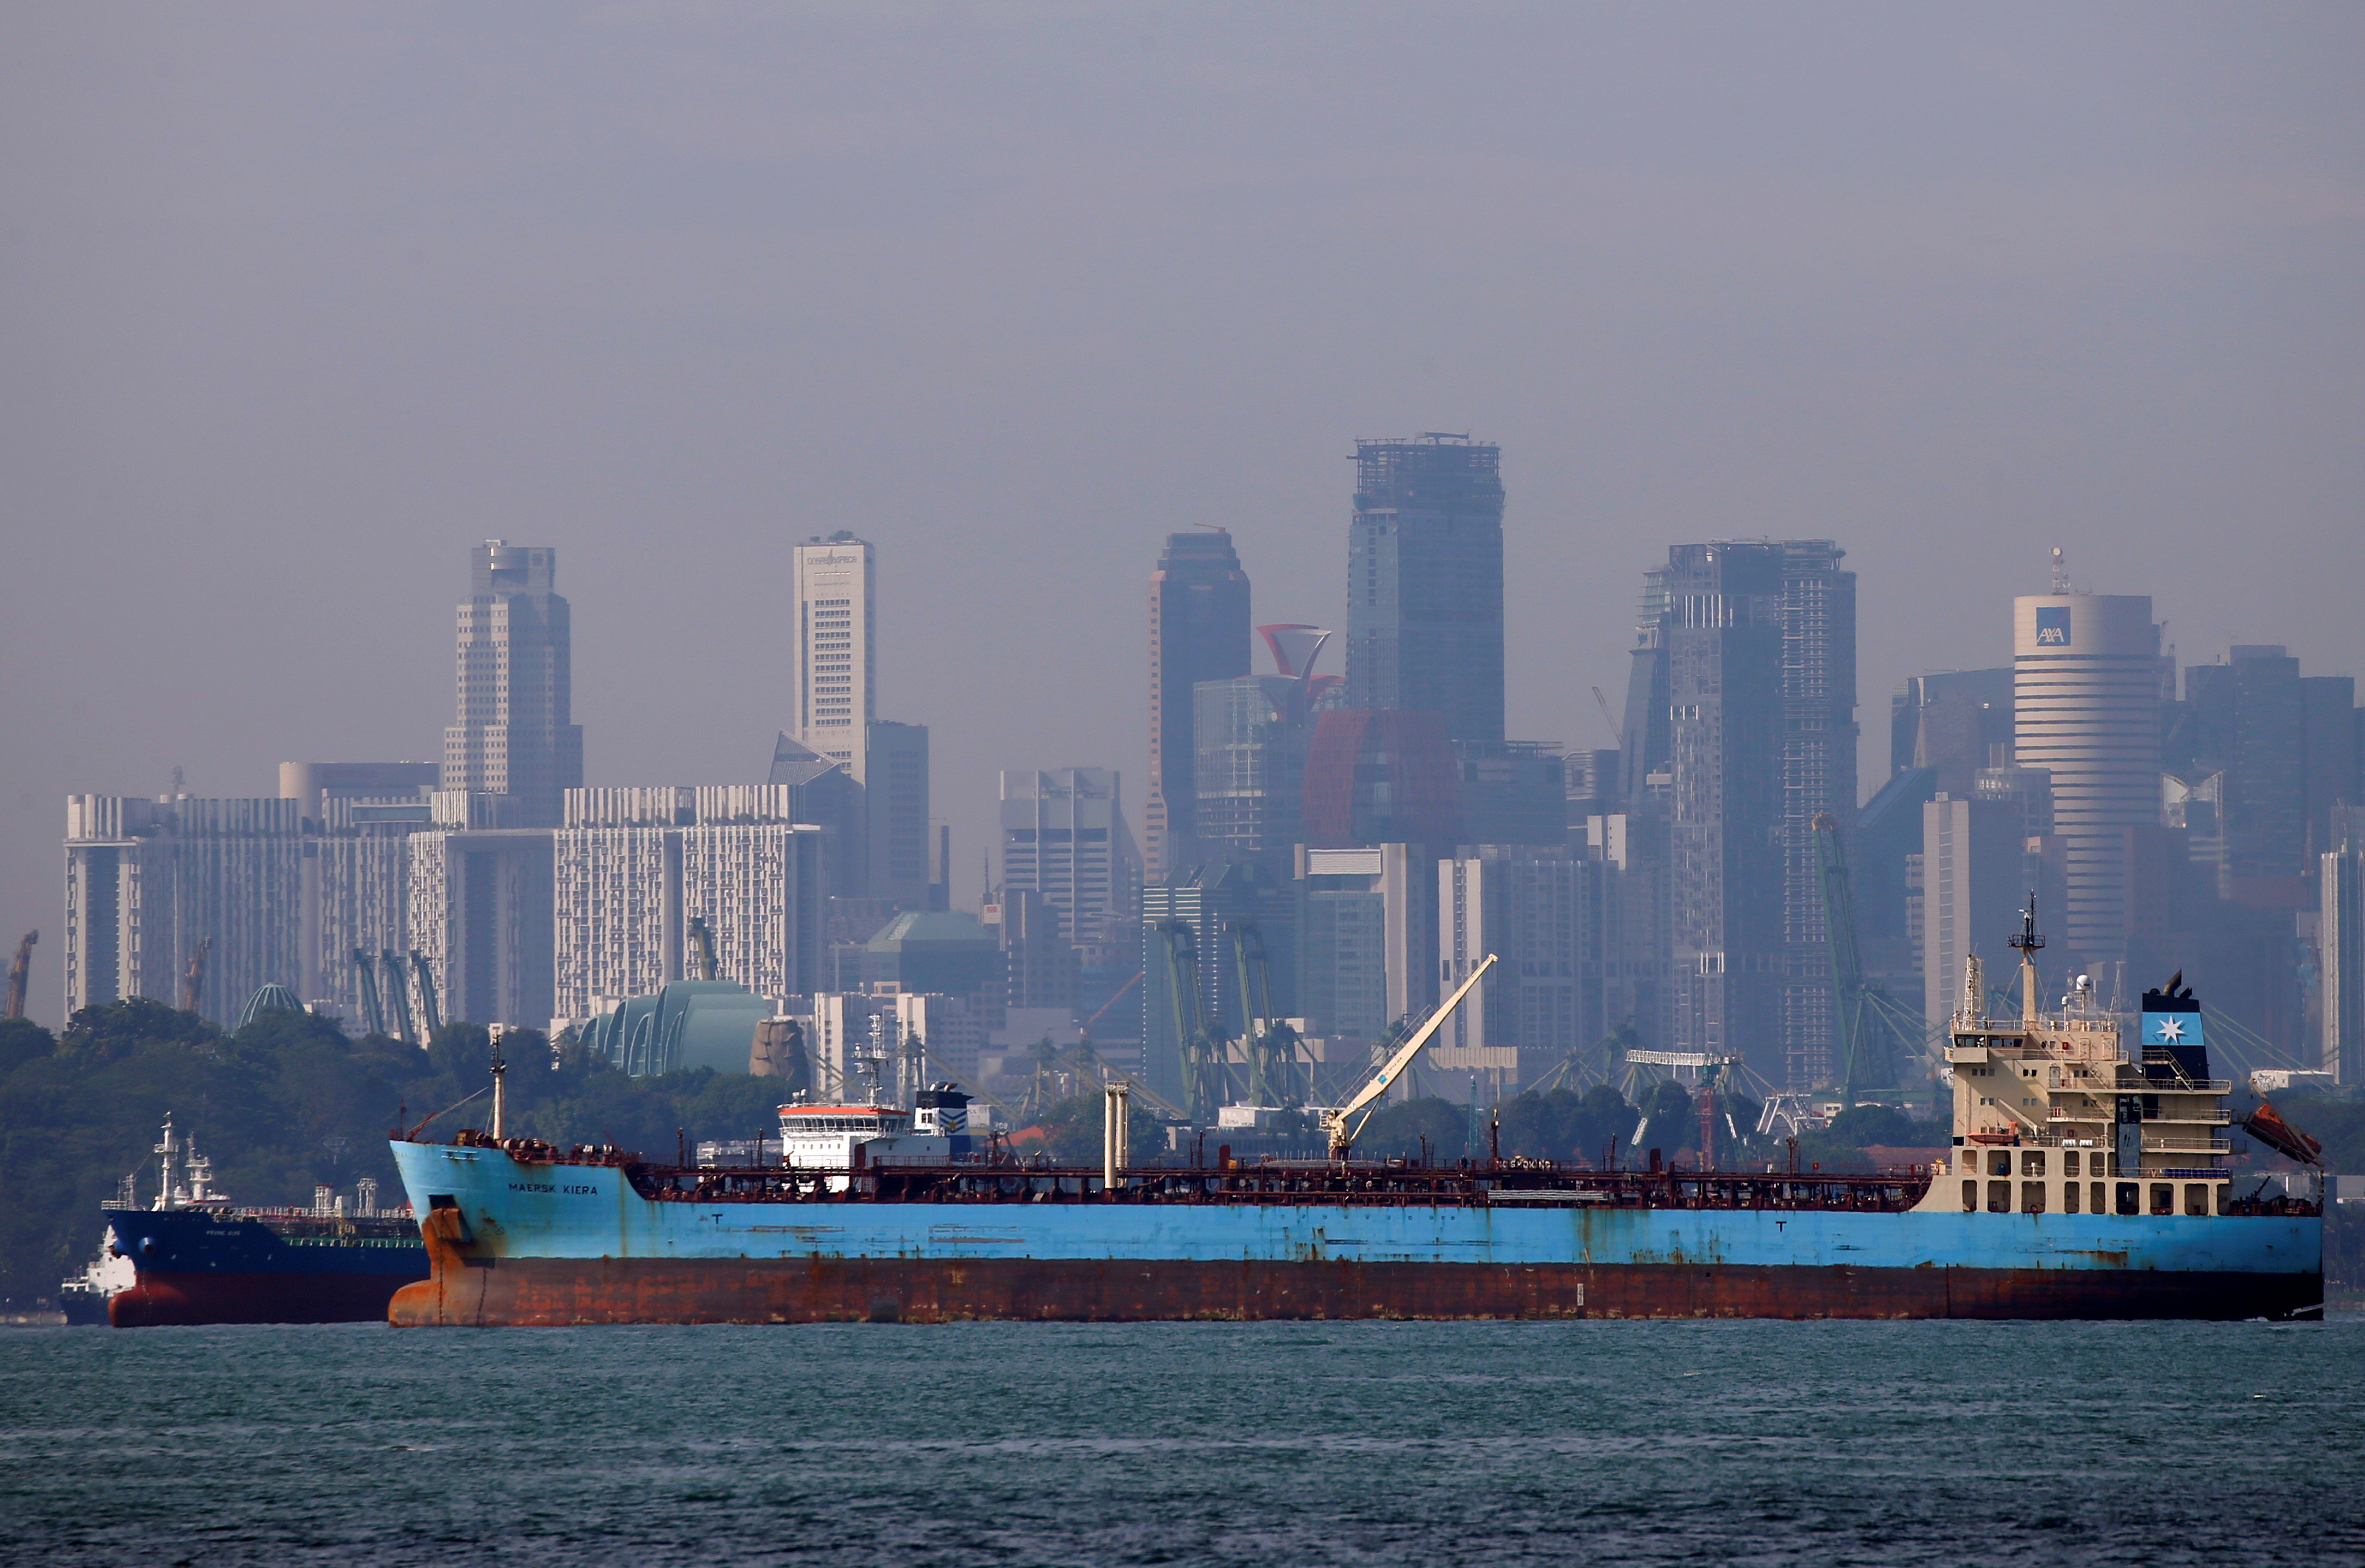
(2086,707)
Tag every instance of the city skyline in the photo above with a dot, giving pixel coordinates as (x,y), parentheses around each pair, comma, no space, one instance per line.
(1689,299)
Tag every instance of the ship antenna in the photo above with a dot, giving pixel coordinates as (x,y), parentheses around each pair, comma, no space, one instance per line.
(2025,945)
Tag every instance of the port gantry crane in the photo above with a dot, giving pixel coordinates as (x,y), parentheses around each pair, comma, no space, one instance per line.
(20,973)
(430,1014)
(372,1013)
(1866,1040)
(1342,1135)
(1271,1044)
(397,995)
(1201,1044)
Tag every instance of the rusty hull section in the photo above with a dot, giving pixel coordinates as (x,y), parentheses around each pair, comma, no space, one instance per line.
(471,1289)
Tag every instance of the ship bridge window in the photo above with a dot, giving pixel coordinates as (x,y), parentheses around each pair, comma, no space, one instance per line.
(2069,1162)
(2196,1200)
(2032,1197)
(1971,1197)
(2032,1162)
(2130,1198)
(2097,1190)
(2068,1197)
(1999,1197)
(2163,1198)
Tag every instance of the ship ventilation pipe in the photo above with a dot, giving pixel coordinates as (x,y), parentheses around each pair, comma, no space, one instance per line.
(1114,1118)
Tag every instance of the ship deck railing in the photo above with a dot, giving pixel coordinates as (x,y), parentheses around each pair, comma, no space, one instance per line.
(1352,1186)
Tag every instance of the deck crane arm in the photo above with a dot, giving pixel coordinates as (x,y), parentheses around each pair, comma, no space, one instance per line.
(1342,1137)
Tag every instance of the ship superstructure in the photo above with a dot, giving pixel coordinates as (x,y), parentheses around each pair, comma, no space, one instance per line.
(2054,1115)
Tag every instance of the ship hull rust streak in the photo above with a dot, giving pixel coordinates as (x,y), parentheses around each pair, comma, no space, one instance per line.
(469,1290)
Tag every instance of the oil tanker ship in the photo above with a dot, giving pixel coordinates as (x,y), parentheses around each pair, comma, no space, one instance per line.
(196,1257)
(2084,1182)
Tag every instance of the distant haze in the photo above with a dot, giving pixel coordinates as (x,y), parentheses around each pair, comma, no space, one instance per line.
(298,302)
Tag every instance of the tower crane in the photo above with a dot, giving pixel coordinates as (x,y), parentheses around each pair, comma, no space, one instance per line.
(193,982)
(372,1013)
(701,948)
(20,973)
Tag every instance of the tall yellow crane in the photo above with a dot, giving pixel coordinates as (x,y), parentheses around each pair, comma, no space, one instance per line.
(193,982)
(20,973)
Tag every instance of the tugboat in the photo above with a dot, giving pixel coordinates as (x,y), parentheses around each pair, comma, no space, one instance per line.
(198,1258)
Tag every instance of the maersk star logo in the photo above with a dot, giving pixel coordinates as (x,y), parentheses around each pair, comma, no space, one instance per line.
(2171,1031)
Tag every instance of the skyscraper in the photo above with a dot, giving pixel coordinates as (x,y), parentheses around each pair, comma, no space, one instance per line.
(1425,582)
(1064,837)
(2086,678)
(1818,736)
(513,736)
(1740,731)
(836,592)
(1198,631)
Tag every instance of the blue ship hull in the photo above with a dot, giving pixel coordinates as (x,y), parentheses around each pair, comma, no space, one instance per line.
(515,1242)
(202,1266)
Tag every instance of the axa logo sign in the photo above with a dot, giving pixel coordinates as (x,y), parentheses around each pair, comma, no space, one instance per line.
(2052,625)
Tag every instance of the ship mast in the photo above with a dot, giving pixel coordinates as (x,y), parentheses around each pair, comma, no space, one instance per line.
(2026,944)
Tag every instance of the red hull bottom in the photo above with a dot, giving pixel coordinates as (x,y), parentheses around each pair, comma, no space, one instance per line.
(160,1300)
(551,1292)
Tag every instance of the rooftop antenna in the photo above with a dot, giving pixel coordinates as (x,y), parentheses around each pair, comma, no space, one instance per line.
(2060,571)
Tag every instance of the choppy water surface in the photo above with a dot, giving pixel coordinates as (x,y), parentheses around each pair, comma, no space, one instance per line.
(1188,1443)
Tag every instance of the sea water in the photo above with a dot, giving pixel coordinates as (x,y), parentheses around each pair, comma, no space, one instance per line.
(1265,1444)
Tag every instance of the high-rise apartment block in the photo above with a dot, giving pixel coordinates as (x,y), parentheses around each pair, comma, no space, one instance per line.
(835,594)
(1064,837)
(514,736)
(1198,632)
(633,867)
(157,890)
(1425,582)
(1529,908)
(480,913)
(1819,776)
(2340,949)
(2086,680)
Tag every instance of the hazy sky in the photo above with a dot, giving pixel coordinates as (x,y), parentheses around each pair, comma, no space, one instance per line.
(297,302)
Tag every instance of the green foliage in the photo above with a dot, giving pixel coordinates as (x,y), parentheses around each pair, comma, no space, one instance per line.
(1072,1132)
(21,1040)
(1396,1131)
(1563,1124)
(285,1103)
(1843,1145)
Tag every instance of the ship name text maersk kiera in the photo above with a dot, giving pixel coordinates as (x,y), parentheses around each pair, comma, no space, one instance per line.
(2083,1182)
